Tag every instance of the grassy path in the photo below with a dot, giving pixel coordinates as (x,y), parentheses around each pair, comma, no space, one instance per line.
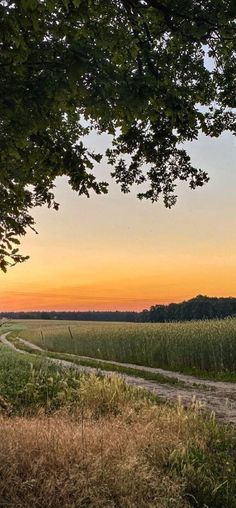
(213,396)
(183,378)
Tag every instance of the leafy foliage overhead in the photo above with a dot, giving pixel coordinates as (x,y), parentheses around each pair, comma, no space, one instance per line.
(135,69)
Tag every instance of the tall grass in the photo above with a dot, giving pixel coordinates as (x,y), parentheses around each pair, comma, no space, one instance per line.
(202,345)
(117,448)
(156,457)
(30,385)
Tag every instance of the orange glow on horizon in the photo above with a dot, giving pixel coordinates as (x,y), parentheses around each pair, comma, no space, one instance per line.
(127,294)
(117,253)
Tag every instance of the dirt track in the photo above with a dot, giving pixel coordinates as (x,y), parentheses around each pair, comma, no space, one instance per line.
(214,396)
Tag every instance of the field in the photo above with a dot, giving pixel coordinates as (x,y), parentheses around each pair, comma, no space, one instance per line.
(201,346)
(76,440)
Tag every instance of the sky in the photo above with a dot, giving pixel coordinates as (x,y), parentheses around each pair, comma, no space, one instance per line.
(116,253)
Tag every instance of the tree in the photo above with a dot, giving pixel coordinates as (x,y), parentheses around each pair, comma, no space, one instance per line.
(200,307)
(132,68)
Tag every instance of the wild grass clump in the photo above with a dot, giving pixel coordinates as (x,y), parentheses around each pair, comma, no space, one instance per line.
(201,346)
(29,385)
(154,457)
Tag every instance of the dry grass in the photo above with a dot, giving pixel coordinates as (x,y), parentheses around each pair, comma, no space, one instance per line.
(151,457)
(116,462)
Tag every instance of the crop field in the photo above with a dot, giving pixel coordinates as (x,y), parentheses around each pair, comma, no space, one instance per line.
(208,346)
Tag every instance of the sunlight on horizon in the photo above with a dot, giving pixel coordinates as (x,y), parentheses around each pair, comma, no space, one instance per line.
(115,252)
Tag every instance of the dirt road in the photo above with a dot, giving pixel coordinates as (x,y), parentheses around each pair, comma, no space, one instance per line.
(213,396)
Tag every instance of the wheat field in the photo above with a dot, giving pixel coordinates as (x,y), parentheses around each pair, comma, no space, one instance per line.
(202,345)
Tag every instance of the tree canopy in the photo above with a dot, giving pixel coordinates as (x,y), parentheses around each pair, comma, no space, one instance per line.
(135,69)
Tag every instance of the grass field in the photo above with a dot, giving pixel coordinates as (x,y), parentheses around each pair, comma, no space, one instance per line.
(202,346)
(75,440)
(29,384)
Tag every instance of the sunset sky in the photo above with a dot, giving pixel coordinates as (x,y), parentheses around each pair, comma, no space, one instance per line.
(115,252)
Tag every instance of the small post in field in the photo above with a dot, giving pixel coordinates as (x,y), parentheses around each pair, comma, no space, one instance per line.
(43,341)
(72,338)
(70,332)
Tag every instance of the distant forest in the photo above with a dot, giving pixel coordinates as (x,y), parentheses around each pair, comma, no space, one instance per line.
(200,307)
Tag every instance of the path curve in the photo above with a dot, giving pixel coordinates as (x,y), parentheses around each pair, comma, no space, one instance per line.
(227,386)
(219,399)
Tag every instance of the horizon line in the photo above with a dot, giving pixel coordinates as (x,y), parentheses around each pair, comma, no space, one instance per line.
(114,310)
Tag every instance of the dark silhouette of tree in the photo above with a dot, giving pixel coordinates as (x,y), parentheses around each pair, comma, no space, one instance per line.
(200,307)
(134,69)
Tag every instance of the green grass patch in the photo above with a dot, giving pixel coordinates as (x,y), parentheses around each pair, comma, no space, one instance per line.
(100,365)
(228,377)
(29,382)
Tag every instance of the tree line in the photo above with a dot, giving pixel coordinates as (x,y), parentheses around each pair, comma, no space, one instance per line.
(200,307)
